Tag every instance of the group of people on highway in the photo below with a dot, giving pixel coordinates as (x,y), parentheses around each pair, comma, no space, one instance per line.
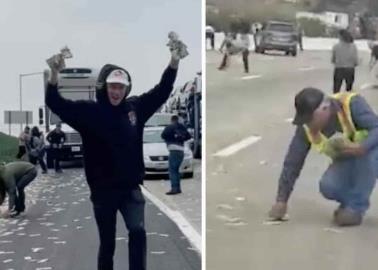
(32,147)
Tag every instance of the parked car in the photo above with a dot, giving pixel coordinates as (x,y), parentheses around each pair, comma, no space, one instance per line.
(156,154)
(279,36)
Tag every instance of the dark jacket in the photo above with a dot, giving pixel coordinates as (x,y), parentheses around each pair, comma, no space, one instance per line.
(112,135)
(55,137)
(363,117)
(175,134)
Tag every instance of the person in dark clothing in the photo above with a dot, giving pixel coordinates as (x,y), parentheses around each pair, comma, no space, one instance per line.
(210,34)
(344,128)
(345,59)
(14,177)
(111,129)
(23,140)
(56,138)
(175,135)
(36,149)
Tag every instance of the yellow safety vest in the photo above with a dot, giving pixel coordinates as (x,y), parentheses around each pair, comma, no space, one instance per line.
(319,141)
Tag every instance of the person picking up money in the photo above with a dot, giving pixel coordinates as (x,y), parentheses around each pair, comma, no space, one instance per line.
(351,177)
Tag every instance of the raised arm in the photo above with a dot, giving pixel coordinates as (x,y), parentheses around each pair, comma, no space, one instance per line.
(71,112)
(151,101)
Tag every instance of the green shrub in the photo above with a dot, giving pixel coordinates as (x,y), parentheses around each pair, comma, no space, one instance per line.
(312,27)
(8,148)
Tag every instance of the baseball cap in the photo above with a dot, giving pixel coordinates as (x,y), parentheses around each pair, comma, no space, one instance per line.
(306,102)
(118,76)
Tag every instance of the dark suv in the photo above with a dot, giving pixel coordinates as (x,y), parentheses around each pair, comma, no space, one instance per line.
(280,36)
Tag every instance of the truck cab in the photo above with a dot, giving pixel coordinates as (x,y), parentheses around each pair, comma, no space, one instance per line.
(73,84)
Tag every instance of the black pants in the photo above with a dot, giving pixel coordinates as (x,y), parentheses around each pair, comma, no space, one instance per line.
(224,62)
(131,205)
(343,74)
(211,36)
(39,159)
(21,151)
(56,155)
(21,185)
(245,60)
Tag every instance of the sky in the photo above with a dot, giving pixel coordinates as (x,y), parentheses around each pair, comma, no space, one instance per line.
(132,34)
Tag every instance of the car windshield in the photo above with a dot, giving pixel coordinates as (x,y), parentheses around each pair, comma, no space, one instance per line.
(280,27)
(152,136)
(159,120)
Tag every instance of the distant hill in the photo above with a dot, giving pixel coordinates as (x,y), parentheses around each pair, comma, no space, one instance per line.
(8,147)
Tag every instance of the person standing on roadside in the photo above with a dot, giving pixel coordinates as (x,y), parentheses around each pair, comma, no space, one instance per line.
(175,135)
(111,129)
(23,139)
(57,138)
(36,149)
(345,60)
(245,42)
(210,34)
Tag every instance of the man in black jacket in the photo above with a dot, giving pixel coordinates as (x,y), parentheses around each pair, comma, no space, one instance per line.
(56,138)
(112,132)
(175,135)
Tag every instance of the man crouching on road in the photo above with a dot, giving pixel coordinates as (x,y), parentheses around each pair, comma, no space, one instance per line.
(111,129)
(345,128)
(14,178)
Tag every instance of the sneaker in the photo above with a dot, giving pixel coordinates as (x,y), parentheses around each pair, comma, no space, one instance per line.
(44,172)
(347,217)
(173,192)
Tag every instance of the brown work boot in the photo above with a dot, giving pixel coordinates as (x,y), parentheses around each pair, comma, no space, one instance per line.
(346,217)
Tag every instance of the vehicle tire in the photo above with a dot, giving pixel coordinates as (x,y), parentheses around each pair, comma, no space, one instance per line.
(188,175)
(49,160)
(197,152)
(287,53)
(294,53)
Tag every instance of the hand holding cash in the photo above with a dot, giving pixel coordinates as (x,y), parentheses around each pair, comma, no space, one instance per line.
(57,61)
(177,47)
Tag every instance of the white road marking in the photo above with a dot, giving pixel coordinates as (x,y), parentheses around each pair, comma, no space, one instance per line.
(306,68)
(188,230)
(234,148)
(366,86)
(251,77)
(289,120)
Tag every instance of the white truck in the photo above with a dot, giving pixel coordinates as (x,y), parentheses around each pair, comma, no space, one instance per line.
(73,84)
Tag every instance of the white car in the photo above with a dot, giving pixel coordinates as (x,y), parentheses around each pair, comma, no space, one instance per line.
(156,154)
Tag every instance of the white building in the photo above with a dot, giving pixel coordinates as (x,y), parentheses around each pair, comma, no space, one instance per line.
(330,19)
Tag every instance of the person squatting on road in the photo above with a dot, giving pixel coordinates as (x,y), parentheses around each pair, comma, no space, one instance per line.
(14,177)
(23,139)
(175,135)
(56,138)
(111,129)
(36,149)
(345,60)
(353,149)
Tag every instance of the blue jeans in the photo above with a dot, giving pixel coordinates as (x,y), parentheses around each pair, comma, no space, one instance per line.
(175,160)
(351,181)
